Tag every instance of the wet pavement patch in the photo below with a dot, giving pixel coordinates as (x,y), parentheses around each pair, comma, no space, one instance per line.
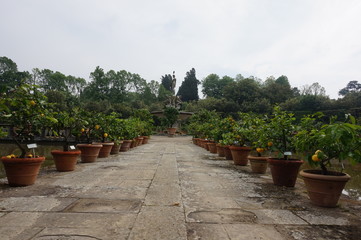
(105,205)
(230,215)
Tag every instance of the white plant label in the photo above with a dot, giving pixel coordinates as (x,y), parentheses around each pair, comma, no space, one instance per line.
(287,153)
(72,147)
(32,145)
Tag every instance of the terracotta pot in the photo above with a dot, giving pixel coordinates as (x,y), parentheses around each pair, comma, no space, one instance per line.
(133,143)
(212,147)
(139,141)
(220,150)
(194,140)
(22,171)
(324,190)
(105,150)
(145,139)
(171,131)
(125,145)
(258,164)
(284,172)
(227,153)
(115,149)
(65,161)
(89,152)
(240,155)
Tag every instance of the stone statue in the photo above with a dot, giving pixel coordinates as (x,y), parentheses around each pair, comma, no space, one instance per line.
(173,101)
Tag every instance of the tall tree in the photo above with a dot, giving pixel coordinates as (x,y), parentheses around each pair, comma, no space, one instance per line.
(9,74)
(188,91)
(277,90)
(213,86)
(352,86)
(167,82)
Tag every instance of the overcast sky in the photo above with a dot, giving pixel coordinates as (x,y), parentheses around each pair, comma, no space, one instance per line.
(306,40)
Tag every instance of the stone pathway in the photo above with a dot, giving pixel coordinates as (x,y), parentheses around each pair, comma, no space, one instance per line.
(168,189)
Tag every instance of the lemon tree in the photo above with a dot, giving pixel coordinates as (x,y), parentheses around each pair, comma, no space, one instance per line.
(339,140)
(27,112)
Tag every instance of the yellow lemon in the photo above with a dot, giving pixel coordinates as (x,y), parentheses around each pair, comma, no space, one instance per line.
(105,135)
(318,151)
(270,144)
(32,102)
(30,155)
(82,130)
(315,158)
(97,127)
(8,156)
(259,150)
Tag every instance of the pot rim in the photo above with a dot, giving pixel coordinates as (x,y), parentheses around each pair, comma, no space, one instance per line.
(308,173)
(22,160)
(240,148)
(60,152)
(89,145)
(257,158)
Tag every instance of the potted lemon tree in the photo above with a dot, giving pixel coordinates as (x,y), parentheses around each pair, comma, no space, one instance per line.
(24,109)
(322,146)
(170,118)
(67,126)
(280,132)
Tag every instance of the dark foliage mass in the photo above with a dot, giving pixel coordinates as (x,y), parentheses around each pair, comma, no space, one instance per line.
(124,92)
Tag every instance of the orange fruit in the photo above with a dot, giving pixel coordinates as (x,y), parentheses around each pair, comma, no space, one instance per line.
(270,144)
(260,150)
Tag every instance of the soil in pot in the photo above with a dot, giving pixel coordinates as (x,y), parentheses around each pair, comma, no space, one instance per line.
(65,161)
(284,172)
(324,190)
(125,145)
(22,171)
(240,155)
(258,164)
(89,152)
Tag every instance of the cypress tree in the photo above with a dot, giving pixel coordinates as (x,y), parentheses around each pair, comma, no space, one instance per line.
(188,91)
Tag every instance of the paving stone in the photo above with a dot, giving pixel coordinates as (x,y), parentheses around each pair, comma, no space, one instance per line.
(33,204)
(105,205)
(196,231)
(9,233)
(19,219)
(320,232)
(159,223)
(252,231)
(86,220)
(275,216)
(222,216)
(322,218)
(164,194)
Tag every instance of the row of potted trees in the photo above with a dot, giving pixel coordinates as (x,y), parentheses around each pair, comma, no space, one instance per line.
(31,118)
(282,142)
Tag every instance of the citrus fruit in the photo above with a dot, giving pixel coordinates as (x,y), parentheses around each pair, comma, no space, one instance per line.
(315,158)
